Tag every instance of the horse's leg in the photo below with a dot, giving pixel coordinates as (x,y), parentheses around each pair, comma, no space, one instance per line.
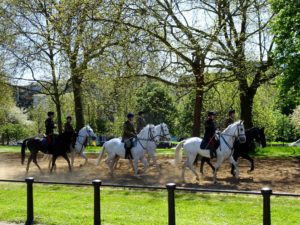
(72,156)
(155,161)
(144,161)
(111,163)
(246,156)
(235,157)
(49,161)
(183,169)
(68,161)
(116,162)
(34,158)
(234,163)
(85,158)
(53,162)
(191,166)
(203,160)
(135,166)
(28,163)
(217,166)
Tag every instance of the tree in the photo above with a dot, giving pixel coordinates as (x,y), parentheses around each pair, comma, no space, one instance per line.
(285,27)
(83,39)
(35,49)
(184,45)
(155,100)
(245,47)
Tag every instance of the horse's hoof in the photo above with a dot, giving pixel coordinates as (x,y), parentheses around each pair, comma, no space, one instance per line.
(197,178)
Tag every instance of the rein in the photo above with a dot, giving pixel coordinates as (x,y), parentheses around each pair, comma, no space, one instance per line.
(238,137)
(148,139)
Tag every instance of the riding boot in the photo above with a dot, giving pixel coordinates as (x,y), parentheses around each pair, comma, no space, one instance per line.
(128,153)
(213,153)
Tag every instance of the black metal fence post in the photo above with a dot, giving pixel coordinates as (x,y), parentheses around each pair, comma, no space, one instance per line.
(266,193)
(97,214)
(29,181)
(171,203)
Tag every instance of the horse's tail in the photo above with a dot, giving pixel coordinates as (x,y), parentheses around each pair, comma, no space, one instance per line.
(100,155)
(178,155)
(24,145)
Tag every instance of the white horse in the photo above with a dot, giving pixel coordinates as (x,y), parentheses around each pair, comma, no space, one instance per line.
(115,148)
(224,151)
(162,132)
(80,144)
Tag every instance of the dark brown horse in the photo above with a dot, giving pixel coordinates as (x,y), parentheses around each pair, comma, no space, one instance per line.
(60,147)
(253,135)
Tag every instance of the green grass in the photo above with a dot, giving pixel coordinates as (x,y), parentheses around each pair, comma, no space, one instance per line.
(270,151)
(277,152)
(63,205)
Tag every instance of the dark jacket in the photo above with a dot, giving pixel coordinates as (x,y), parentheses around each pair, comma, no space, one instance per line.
(210,129)
(140,124)
(68,128)
(128,130)
(228,122)
(49,124)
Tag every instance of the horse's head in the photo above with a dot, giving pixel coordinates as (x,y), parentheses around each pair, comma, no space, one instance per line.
(148,133)
(87,131)
(162,131)
(256,134)
(237,130)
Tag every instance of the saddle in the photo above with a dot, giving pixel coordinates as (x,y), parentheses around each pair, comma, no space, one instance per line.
(128,145)
(211,145)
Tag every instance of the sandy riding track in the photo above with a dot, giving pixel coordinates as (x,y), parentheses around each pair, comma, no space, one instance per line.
(283,175)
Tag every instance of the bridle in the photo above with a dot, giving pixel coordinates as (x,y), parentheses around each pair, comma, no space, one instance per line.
(83,136)
(151,137)
(236,137)
(162,131)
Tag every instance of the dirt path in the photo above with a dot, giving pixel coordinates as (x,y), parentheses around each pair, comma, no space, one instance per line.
(283,175)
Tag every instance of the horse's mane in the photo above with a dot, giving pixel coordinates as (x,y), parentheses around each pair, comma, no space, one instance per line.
(232,125)
(145,128)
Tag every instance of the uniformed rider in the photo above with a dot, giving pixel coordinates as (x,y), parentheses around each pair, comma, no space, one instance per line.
(129,135)
(68,128)
(231,117)
(209,140)
(140,123)
(50,126)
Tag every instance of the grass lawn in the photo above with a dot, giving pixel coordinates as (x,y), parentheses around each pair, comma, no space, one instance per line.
(64,205)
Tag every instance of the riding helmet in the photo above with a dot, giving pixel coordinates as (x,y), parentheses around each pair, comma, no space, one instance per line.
(50,113)
(130,115)
(231,111)
(211,113)
(141,113)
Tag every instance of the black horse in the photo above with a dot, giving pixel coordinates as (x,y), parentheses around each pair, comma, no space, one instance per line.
(60,147)
(253,135)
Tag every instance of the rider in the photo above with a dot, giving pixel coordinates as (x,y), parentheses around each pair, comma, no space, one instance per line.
(231,117)
(140,123)
(128,135)
(69,130)
(209,141)
(50,126)
(68,126)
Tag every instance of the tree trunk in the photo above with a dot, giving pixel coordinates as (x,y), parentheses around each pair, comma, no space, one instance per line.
(246,104)
(77,91)
(198,104)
